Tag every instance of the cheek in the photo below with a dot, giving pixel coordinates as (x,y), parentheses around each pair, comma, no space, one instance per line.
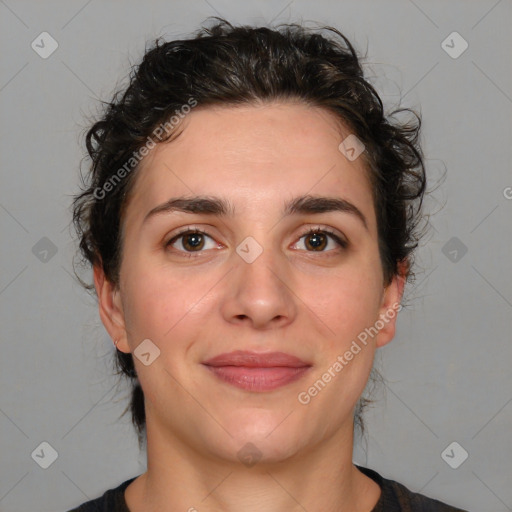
(348,306)
(160,304)
(347,302)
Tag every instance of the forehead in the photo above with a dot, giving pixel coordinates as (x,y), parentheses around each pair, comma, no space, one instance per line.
(254,155)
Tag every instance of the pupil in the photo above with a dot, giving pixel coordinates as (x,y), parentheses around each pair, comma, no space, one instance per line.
(194,240)
(316,240)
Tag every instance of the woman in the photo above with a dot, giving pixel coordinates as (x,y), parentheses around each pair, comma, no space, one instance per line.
(250,216)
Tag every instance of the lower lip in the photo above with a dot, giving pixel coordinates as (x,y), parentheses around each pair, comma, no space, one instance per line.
(258,379)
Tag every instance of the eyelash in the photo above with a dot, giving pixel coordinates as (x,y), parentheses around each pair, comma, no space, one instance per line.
(192,254)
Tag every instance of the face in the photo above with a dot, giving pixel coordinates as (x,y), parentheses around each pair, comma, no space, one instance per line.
(251,279)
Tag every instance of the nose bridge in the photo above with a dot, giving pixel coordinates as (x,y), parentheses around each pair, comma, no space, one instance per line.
(258,251)
(261,263)
(259,280)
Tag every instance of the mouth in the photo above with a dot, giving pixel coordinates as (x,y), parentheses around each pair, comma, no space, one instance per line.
(257,371)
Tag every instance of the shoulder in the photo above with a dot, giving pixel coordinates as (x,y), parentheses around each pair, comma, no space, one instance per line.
(111,501)
(395,497)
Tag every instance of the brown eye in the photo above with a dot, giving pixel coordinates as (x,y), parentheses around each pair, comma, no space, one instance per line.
(317,240)
(193,241)
(190,241)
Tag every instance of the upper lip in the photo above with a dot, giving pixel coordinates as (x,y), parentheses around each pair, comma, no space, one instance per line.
(256,360)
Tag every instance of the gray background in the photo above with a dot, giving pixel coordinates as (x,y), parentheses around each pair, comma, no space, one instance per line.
(448,369)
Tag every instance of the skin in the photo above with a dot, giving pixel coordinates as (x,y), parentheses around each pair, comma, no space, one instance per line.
(293,299)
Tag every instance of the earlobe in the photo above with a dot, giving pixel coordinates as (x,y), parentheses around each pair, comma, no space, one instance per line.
(110,308)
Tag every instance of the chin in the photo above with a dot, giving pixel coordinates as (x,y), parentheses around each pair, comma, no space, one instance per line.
(262,436)
(256,452)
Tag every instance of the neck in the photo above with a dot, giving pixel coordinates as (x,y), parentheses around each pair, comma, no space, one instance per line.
(181,477)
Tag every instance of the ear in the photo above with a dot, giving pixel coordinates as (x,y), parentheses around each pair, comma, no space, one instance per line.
(111,308)
(390,305)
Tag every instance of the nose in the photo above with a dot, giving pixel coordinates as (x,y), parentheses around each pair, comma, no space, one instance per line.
(260,293)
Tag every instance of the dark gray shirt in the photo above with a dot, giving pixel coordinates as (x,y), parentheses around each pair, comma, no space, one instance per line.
(394,498)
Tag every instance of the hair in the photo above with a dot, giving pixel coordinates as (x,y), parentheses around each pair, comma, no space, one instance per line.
(235,65)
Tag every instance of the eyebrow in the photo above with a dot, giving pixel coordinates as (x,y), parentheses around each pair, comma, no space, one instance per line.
(208,205)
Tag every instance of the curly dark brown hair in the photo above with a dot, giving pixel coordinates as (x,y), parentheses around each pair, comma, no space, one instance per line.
(230,65)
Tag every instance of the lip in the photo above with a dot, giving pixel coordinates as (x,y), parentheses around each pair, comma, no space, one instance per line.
(256,360)
(254,371)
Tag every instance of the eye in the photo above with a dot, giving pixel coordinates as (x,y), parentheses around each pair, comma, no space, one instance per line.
(317,240)
(191,240)
(194,241)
